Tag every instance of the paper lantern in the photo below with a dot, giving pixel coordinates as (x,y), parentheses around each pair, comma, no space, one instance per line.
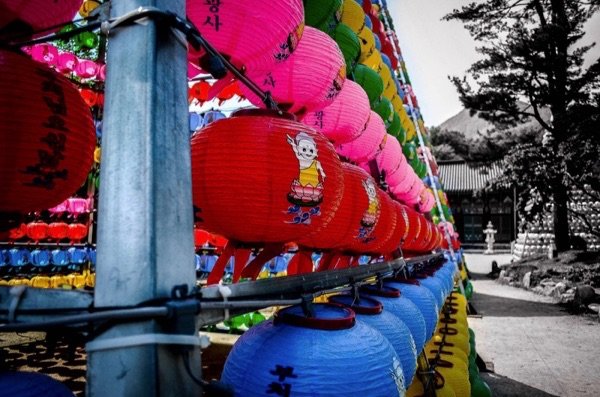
(37,231)
(353,16)
(401,307)
(31,384)
(367,44)
(375,63)
(45,53)
(371,312)
(323,14)
(366,146)
(47,136)
(422,298)
(346,118)
(251,35)
(434,285)
(257,367)
(356,215)
(58,230)
(370,81)
(260,178)
(310,79)
(18,17)
(399,232)
(389,158)
(383,230)
(395,128)
(377,43)
(349,44)
(384,109)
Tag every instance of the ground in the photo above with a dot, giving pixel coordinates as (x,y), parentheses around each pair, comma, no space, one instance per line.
(536,347)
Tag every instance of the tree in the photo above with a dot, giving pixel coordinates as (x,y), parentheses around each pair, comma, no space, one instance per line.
(530,53)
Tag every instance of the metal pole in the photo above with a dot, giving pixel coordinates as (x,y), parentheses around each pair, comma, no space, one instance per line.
(145,233)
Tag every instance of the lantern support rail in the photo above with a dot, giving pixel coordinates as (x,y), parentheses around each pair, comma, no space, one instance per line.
(41,309)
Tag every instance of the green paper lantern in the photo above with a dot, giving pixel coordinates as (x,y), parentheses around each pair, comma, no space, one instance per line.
(410,151)
(86,40)
(480,389)
(395,125)
(384,108)
(421,169)
(370,81)
(322,14)
(349,44)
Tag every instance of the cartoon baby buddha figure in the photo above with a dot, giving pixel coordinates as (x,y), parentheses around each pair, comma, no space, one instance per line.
(307,189)
(372,213)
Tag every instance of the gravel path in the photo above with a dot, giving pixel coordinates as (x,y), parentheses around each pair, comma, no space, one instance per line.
(537,349)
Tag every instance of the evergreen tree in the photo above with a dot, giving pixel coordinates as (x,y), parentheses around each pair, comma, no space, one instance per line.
(531,53)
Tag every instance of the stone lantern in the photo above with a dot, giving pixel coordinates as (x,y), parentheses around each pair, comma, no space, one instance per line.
(489,237)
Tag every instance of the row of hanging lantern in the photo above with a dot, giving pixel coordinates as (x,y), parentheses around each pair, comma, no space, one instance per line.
(282,181)
(383,327)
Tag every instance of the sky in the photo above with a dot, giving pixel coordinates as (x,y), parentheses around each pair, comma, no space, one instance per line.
(435,49)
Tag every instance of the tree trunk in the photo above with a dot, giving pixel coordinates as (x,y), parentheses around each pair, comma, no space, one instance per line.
(561,220)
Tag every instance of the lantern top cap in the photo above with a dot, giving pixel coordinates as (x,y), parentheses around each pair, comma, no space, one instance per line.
(326,316)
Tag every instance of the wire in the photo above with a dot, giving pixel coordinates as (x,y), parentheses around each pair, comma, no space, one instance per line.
(137,313)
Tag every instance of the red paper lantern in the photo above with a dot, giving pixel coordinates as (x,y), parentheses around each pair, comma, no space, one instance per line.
(201,237)
(58,230)
(199,92)
(47,136)
(77,231)
(259,178)
(357,212)
(399,233)
(37,230)
(28,16)
(414,228)
(384,230)
(376,222)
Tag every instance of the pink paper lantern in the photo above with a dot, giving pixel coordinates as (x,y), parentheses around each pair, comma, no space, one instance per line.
(346,118)
(252,33)
(404,185)
(365,147)
(389,158)
(67,62)
(45,53)
(427,201)
(86,69)
(396,177)
(101,73)
(310,79)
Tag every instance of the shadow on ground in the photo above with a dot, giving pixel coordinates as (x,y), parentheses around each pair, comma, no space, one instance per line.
(496,306)
(505,387)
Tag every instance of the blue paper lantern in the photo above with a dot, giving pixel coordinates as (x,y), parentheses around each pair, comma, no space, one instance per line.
(19,257)
(435,286)
(403,308)
(378,44)
(30,384)
(329,354)
(368,23)
(40,257)
(422,298)
(372,312)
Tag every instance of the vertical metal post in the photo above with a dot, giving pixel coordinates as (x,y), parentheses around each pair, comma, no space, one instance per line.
(145,237)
